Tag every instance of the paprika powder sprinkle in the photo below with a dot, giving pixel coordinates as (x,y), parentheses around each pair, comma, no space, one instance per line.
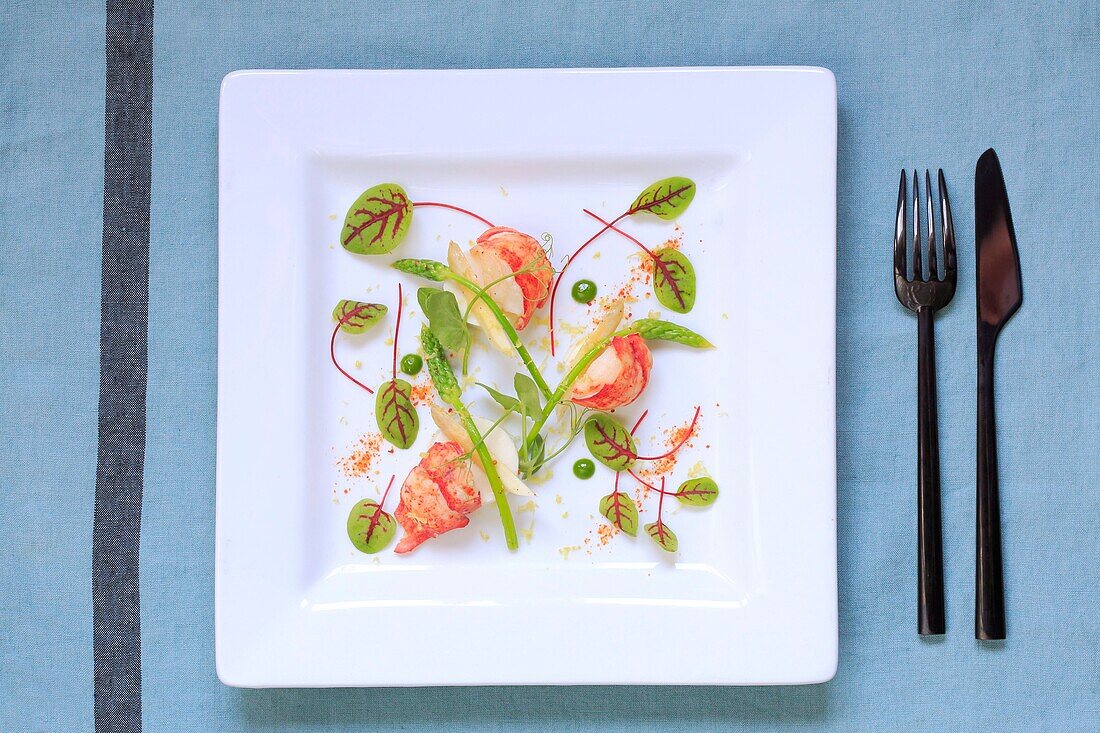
(357,463)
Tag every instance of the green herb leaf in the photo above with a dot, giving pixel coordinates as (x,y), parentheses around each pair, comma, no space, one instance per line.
(654,329)
(666,198)
(609,442)
(370,528)
(528,393)
(396,415)
(377,221)
(664,537)
(508,402)
(621,511)
(702,491)
(423,295)
(673,280)
(357,317)
(427,269)
(443,377)
(532,456)
(444,317)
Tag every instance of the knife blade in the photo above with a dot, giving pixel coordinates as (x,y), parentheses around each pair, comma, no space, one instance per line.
(1000,293)
(1000,290)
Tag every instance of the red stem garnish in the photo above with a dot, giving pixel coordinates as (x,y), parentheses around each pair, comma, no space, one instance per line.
(658,263)
(391,393)
(387,492)
(332,353)
(568,262)
(483,220)
(678,446)
(620,447)
(642,481)
(660,511)
(619,473)
(396,331)
(376,516)
(634,209)
(612,227)
(646,484)
(617,508)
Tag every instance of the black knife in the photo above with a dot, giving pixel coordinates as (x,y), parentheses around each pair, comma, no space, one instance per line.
(1000,293)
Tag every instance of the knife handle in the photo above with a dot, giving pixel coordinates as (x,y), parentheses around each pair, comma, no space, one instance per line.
(989,601)
(930,613)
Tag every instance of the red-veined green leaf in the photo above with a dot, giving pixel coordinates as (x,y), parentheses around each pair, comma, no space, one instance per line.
(393,408)
(370,528)
(621,511)
(666,198)
(702,491)
(609,442)
(673,280)
(377,221)
(356,317)
(660,533)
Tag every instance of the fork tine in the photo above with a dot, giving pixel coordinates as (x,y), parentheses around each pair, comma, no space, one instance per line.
(931,228)
(948,231)
(918,269)
(899,231)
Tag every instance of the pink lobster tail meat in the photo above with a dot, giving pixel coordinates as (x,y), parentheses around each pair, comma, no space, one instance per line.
(518,251)
(616,377)
(453,476)
(436,496)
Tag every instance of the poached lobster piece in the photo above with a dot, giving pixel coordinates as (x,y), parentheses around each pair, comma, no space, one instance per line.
(616,377)
(436,496)
(502,251)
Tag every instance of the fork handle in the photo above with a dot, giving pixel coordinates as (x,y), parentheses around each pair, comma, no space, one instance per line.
(930,613)
(989,600)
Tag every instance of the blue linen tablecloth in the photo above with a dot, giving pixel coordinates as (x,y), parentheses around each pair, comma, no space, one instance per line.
(920,84)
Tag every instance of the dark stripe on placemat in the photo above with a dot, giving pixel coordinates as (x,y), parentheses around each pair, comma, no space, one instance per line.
(127,161)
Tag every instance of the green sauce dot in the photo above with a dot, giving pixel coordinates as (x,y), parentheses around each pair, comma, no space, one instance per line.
(584,469)
(584,291)
(411,364)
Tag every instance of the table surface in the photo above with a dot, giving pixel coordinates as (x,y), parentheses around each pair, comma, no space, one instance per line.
(922,84)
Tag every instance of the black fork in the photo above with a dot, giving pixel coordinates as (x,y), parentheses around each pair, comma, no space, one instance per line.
(924,296)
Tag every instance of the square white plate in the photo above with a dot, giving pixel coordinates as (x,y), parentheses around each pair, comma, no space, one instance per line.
(751,596)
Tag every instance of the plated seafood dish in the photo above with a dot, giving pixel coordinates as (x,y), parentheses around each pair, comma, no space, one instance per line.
(500,292)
